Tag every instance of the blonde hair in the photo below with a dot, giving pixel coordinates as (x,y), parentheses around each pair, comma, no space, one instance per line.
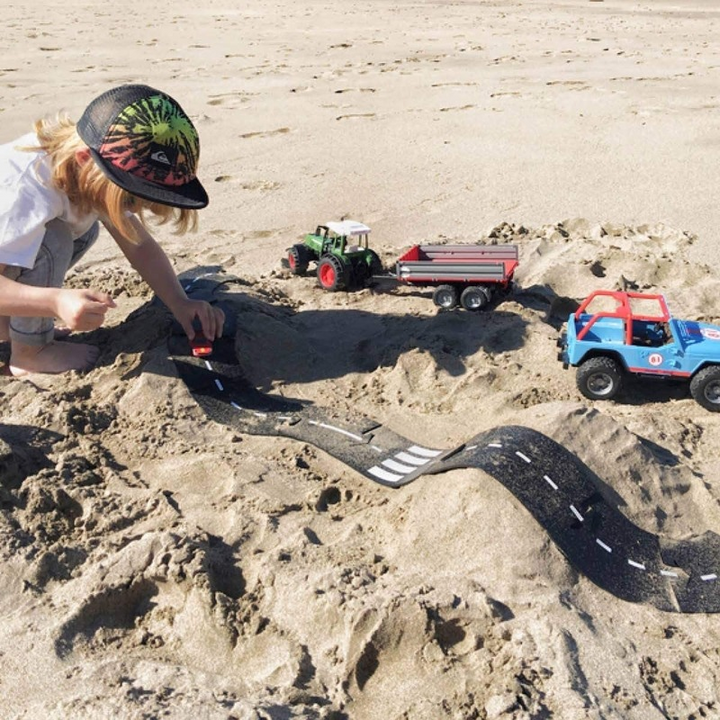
(90,190)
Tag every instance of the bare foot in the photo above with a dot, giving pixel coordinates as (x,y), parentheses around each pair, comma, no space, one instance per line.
(55,357)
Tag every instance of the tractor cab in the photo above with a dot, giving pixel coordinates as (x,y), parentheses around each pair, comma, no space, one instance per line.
(346,237)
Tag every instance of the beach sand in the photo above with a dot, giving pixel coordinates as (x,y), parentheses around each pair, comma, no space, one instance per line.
(157,564)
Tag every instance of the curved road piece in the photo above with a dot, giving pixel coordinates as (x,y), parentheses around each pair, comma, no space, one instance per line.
(559,490)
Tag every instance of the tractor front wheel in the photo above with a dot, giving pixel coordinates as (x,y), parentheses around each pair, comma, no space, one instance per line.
(331,274)
(705,388)
(599,378)
(298,259)
(445,296)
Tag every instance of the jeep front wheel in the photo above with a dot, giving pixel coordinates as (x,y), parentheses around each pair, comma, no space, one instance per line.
(599,378)
(705,388)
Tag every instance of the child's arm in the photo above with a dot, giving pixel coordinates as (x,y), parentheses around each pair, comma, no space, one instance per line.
(149,259)
(78,309)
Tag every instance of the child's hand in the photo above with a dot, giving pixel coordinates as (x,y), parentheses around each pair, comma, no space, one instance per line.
(83,309)
(211,318)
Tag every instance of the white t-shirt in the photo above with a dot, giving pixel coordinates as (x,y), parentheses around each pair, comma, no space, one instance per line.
(28,201)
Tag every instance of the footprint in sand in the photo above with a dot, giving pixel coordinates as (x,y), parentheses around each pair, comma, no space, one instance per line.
(345,90)
(454,84)
(570,84)
(355,116)
(261,185)
(265,133)
(455,109)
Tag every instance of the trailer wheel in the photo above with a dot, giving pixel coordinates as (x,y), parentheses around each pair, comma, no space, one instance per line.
(475,297)
(445,296)
(331,274)
(298,259)
(599,378)
(705,388)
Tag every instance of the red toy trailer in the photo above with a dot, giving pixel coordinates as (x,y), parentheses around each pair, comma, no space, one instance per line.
(468,274)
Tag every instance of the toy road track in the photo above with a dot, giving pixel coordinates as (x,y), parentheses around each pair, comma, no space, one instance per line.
(553,484)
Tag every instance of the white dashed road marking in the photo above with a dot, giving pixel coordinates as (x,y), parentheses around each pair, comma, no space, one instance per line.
(335,429)
(605,547)
(550,482)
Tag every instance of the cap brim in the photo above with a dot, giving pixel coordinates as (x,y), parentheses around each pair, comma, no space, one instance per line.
(192,195)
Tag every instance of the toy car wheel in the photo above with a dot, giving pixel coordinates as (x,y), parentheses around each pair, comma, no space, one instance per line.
(445,296)
(474,298)
(331,274)
(705,388)
(298,259)
(599,378)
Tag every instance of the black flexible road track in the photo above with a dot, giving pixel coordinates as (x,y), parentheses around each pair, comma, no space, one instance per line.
(557,489)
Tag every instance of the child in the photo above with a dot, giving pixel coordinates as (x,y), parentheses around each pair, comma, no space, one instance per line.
(133,152)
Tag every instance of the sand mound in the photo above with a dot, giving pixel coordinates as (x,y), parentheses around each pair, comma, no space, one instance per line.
(156,562)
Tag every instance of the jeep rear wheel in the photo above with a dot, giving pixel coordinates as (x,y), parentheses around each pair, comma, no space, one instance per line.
(445,296)
(331,274)
(599,378)
(298,259)
(705,388)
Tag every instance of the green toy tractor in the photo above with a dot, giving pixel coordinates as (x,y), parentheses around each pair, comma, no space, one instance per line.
(340,249)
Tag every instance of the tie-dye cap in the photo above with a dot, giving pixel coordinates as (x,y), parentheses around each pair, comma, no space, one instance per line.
(144,142)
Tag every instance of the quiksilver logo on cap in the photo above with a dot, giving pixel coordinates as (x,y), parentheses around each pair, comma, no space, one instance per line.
(160,156)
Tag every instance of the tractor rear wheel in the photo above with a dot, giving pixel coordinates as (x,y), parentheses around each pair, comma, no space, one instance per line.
(705,388)
(374,263)
(298,259)
(331,273)
(475,297)
(599,378)
(445,296)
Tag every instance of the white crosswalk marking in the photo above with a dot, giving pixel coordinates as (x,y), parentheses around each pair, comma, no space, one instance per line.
(412,459)
(425,452)
(398,467)
(379,472)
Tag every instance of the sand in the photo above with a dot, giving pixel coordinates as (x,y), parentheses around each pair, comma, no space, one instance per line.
(157,564)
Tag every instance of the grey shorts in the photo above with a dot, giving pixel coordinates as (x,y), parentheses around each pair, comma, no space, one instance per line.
(57,254)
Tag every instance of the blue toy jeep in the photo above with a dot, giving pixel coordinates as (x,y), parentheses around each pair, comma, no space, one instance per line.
(633,333)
